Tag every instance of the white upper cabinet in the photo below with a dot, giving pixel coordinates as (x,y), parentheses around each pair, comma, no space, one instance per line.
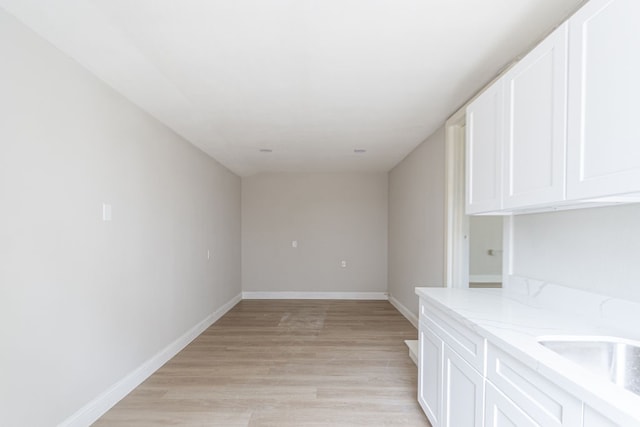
(535,125)
(604,96)
(560,129)
(484,132)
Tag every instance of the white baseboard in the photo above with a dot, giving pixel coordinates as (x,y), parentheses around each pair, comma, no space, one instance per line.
(316,295)
(93,410)
(485,278)
(404,311)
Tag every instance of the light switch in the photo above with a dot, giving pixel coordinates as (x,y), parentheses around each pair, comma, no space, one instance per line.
(106,212)
(294,243)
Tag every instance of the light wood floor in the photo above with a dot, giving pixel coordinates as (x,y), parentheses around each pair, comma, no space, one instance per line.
(286,363)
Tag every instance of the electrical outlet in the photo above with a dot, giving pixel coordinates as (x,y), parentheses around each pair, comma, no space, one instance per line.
(343,264)
(294,243)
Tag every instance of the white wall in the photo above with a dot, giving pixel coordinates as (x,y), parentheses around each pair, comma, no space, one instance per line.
(84,302)
(416,221)
(485,233)
(593,249)
(333,216)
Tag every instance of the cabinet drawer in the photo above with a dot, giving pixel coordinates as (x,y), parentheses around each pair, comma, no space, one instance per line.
(502,412)
(464,341)
(539,398)
(595,419)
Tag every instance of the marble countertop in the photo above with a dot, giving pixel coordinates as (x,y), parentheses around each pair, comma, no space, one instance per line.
(515,319)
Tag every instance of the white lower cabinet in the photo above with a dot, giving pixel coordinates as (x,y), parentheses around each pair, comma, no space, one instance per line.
(500,411)
(430,374)
(450,386)
(463,392)
(467,381)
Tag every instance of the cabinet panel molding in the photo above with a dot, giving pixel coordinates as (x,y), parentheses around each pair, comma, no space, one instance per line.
(484,133)
(535,125)
(430,370)
(463,392)
(604,89)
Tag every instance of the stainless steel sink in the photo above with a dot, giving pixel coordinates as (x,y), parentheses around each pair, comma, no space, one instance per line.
(616,360)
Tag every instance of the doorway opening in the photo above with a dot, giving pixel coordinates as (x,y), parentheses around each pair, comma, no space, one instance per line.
(474,244)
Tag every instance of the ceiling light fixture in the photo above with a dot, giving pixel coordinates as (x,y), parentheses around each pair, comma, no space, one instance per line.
(266,150)
(359,151)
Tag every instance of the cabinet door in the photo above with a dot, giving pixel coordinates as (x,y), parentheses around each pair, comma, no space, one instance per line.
(483,160)
(604,89)
(463,392)
(430,374)
(502,412)
(536,125)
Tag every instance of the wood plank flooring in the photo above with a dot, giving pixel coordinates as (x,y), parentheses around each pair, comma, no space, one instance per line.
(286,363)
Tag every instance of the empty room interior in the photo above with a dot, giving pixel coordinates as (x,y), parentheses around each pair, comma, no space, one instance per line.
(319,213)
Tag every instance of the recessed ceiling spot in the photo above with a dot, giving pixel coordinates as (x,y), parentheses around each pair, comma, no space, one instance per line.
(359,151)
(266,150)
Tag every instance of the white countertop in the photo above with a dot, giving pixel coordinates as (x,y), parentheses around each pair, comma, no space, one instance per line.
(514,319)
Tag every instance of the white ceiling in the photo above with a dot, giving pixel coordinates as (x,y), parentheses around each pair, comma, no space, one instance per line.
(310,79)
